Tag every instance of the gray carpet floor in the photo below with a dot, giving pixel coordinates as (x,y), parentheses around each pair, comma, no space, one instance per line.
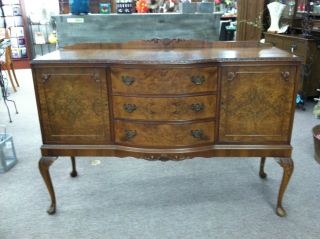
(135,199)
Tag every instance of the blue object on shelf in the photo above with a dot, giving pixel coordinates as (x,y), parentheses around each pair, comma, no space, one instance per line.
(78,7)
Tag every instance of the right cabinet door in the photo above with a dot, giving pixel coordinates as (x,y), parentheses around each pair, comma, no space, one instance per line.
(256,104)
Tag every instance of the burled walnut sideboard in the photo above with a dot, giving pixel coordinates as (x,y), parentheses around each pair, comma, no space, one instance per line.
(167,100)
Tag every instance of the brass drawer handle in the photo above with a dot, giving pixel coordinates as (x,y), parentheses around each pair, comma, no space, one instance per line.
(45,77)
(128,80)
(129,107)
(197,107)
(231,76)
(197,133)
(129,134)
(96,77)
(198,80)
(285,75)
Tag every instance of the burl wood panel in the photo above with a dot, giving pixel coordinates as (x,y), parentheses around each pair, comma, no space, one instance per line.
(73,105)
(256,103)
(170,108)
(163,80)
(164,135)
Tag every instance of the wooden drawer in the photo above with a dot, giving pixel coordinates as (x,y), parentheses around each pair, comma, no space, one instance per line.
(164,80)
(174,108)
(275,41)
(297,47)
(163,135)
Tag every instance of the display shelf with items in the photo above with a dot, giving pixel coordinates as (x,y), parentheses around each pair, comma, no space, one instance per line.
(303,16)
(12,18)
(308,17)
(42,38)
(147,6)
(94,6)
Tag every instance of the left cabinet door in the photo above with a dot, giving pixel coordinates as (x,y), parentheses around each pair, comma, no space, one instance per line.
(73,105)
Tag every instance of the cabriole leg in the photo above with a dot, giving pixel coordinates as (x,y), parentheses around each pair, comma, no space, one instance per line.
(262,174)
(288,166)
(74,171)
(44,164)
(14,74)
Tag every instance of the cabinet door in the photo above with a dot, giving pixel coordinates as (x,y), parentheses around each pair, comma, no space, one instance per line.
(73,105)
(256,104)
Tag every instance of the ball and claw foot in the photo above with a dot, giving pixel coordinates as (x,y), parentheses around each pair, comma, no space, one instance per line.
(281,212)
(74,174)
(288,166)
(263,175)
(51,210)
(44,164)
(74,171)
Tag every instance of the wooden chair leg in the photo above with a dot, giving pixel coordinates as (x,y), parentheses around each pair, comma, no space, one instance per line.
(14,74)
(10,78)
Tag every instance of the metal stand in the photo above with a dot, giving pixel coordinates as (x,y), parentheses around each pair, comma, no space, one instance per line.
(5,96)
(3,45)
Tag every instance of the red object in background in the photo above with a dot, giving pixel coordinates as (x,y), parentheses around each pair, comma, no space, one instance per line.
(142,6)
(217,1)
(301,7)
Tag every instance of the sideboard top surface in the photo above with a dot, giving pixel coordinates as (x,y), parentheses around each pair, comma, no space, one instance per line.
(171,53)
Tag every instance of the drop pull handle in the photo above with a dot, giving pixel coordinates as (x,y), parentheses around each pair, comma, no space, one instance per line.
(129,107)
(198,80)
(129,134)
(128,80)
(197,107)
(197,133)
